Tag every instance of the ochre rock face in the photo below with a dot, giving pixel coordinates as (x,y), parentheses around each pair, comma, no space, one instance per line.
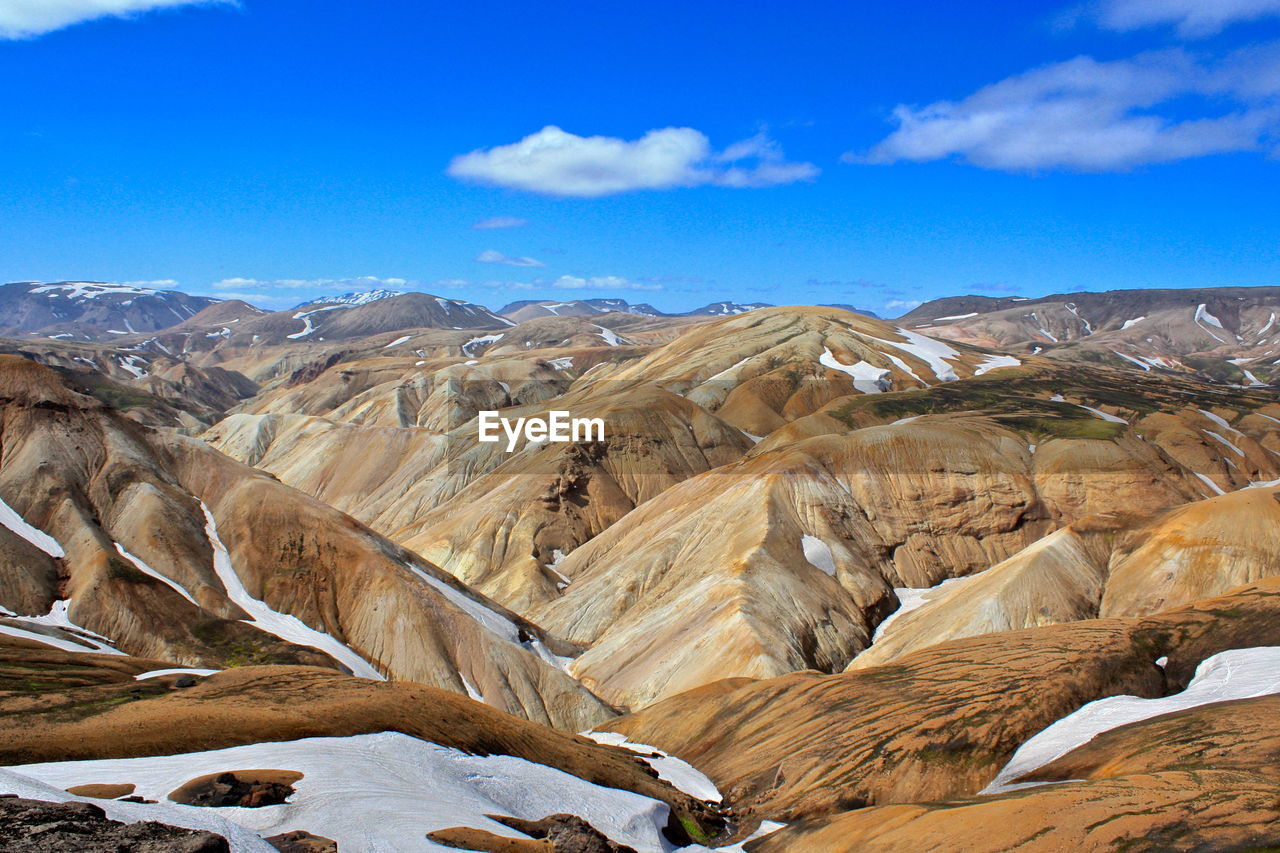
(666,606)
(1196,551)
(1204,778)
(98,482)
(1058,578)
(937,723)
(1154,813)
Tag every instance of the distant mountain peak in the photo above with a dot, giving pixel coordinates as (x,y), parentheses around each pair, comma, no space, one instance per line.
(360,297)
(89,310)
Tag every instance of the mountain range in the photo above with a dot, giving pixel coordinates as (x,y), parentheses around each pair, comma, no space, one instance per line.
(1000,574)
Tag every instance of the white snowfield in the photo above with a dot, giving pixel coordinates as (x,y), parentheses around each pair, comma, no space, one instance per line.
(682,775)
(931,351)
(283,625)
(374,793)
(1235,674)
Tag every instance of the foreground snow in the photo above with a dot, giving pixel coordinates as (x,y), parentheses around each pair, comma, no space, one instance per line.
(1235,674)
(378,792)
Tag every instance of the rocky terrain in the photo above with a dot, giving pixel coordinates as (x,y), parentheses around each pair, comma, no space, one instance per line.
(1001,574)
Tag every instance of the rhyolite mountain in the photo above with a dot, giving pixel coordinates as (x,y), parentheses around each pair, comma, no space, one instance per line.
(855,571)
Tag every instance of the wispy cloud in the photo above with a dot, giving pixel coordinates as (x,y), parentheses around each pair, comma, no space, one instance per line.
(602,282)
(494,222)
(362,282)
(29,18)
(903,304)
(555,162)
(490,256)
(1090,116)
(1192,18)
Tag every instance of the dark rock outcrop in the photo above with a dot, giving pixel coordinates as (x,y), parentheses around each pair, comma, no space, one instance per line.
(33,826)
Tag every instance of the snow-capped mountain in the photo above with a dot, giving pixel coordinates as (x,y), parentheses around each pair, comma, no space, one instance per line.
(363,297)
(725,309)
(91,310)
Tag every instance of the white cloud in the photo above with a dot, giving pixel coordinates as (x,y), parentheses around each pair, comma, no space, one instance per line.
(1090,116)
(362,282)
(554,162)
(28,18)
(500,222)
(1193,18)
(601,282)
(490,256)
(904,304)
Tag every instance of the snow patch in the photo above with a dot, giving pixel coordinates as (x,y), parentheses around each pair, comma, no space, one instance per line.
(993,362)
(931,351)
(818,553)
(1202,316)
(1212,485)
(17,524)
(1237,450)
(158,673)
(80,639)
(867,378)
(283,625)
(1136,361)
(480,341)
(681,774)
(1235,674)
(491,620)
(911,598)
(609,336)
(147,570)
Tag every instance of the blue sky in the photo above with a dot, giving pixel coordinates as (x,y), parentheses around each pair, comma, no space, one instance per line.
(674,153)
